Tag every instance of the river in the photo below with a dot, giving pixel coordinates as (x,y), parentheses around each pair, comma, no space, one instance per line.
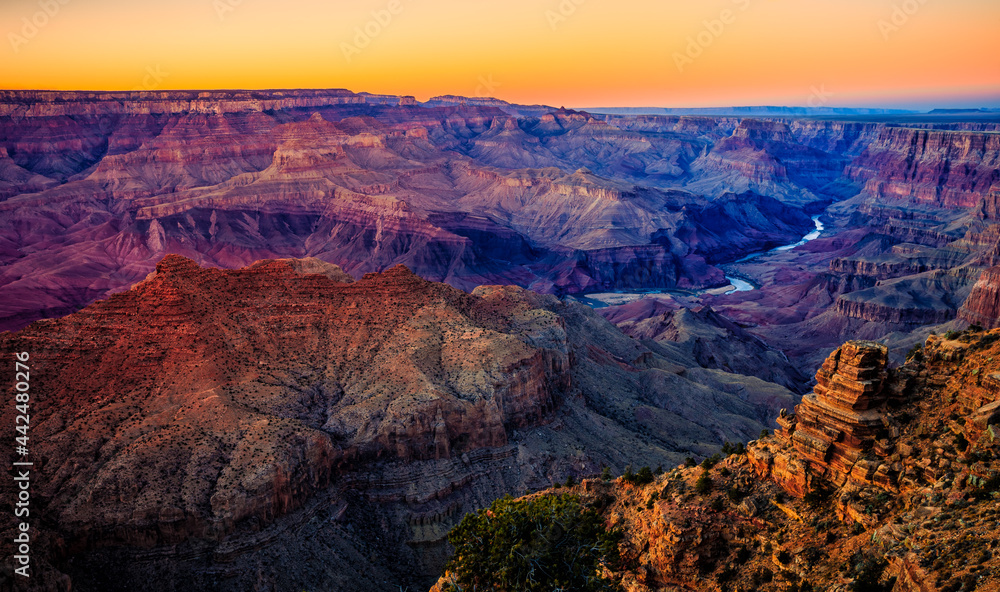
(741,285)
(604,299)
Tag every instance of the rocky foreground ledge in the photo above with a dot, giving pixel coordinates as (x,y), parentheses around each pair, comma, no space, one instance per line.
(882,479)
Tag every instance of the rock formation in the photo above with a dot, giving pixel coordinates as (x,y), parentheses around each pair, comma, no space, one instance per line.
(881,477)
(952,169)
(479,191)
(215,426)
(847,434)
(358,180)
(706,339)
(841,419)
(982,307)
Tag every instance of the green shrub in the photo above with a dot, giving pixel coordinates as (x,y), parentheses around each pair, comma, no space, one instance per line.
(710,462)
(628,476)
(543,544)
(731,448)
(643,477)
(704,484)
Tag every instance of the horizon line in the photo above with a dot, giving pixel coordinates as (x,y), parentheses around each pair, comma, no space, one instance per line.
(988,106)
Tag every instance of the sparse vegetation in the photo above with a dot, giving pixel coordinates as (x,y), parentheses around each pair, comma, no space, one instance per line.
(730,448)
(710,462)
(547,543)
(643,477)
(704,484)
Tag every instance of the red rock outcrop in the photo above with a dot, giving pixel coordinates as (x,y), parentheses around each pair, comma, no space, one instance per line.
(852,433)
(834,425)
(982,307)
(205,398)
(913,511)
(841,419)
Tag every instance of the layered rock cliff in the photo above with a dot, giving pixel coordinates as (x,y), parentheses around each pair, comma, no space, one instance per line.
(110,182)
(834,425)
(883,479)
(982,307)
(471,192)
(952,169)
(215,426)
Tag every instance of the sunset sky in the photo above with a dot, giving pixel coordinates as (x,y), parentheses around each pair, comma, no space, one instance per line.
(579,53)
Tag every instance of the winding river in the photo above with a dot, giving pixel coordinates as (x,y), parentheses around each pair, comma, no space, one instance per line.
(741,285)
(603,299)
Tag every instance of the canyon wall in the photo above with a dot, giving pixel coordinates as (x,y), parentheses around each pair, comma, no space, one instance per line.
(982,307)
(952,169)
(241,418)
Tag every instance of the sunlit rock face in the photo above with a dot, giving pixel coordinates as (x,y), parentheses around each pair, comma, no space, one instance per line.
(982,307)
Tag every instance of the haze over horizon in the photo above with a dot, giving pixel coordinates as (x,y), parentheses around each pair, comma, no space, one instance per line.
(913,54)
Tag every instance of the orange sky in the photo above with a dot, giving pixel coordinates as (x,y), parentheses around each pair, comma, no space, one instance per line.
(580,53)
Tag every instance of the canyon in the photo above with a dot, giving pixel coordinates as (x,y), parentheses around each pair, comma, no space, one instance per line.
(304,332)
(95,188)
(245,419)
